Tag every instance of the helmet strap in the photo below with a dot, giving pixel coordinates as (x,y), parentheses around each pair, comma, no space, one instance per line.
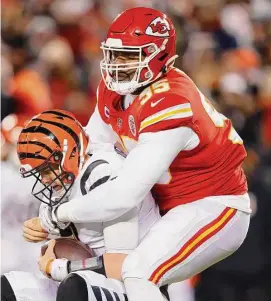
(170,62)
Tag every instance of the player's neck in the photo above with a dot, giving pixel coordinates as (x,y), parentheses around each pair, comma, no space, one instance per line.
(126,101)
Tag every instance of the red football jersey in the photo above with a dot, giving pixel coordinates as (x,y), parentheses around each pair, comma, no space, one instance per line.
(212,168)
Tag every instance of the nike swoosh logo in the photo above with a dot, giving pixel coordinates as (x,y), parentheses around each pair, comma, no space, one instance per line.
(153,104)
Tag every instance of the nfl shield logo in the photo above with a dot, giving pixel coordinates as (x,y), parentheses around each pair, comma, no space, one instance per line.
(132,126)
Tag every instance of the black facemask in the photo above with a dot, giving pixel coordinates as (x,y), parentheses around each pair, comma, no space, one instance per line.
(45,192)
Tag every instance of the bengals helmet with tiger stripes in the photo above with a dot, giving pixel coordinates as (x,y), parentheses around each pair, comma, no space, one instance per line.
(52,138)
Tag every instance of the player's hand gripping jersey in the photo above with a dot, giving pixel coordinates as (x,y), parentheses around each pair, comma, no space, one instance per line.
(209,164)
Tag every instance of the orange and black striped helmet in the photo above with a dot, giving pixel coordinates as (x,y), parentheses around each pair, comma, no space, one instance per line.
(52,138)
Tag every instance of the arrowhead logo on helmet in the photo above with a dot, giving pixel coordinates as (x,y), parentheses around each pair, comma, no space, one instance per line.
(159,27)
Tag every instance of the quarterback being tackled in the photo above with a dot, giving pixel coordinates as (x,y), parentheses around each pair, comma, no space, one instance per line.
(53,150)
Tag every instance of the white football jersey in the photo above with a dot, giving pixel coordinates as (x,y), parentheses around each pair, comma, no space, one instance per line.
(101,167)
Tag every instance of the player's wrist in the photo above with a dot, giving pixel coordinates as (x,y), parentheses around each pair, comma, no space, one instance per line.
(59,269)
(95,264)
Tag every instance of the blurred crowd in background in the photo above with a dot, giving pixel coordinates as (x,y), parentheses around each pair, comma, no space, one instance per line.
(50,55)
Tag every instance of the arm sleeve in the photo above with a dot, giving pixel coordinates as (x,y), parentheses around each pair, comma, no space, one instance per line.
(99,132)
(142,168)
(122,234)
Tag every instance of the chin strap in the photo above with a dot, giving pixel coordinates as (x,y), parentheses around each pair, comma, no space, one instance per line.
(170,62)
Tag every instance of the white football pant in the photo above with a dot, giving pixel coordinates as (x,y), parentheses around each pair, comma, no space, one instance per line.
(184,242)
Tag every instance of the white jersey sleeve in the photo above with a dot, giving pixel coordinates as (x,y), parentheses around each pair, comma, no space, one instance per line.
(122,234)
(142,168)
(118,236)
(100,133)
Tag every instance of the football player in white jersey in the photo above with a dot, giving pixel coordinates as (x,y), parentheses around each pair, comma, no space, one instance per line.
(53,148)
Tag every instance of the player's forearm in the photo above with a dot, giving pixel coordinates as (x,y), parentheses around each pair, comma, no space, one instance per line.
(113,265)
(142,168)
(106,202)
(109,265)
(122,234)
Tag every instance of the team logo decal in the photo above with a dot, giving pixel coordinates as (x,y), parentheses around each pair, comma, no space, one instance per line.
(132,126)
(119,123)
(106,112)
(159,27)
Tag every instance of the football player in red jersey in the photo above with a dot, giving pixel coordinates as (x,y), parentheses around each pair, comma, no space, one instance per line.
(178,146)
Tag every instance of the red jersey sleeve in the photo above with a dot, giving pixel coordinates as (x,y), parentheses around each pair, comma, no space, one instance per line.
(165,111)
